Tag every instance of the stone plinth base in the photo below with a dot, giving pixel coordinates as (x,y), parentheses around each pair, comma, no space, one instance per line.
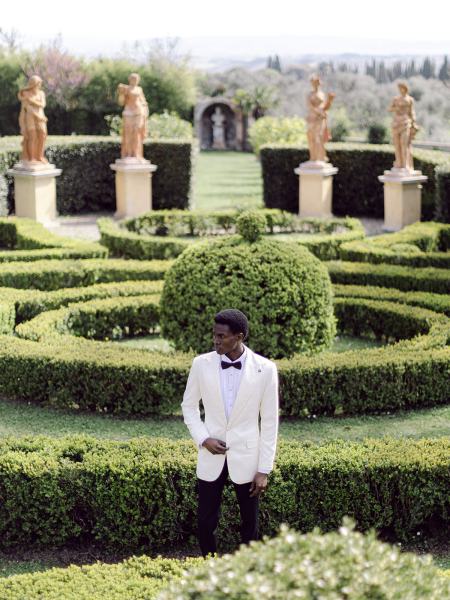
(315,188)
(133,187)
(402,198)
(35,191)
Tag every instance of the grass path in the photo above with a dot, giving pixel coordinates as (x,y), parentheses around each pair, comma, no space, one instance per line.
(226,180)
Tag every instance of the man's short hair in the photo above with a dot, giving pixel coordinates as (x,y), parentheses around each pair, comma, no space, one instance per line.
(235,319)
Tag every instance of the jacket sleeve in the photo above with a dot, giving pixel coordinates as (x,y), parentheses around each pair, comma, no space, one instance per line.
(190,406)
(269,423)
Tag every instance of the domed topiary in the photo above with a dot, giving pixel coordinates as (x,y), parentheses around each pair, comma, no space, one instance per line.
(331,566)
(282,288)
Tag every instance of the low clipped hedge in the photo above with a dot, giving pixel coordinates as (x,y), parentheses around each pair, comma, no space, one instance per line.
(404,278)
(139,238)
(140,494)
(51,274)
(27,240)
(87,182)
(102,377)
(138,578)
(418,245)
(7,318)
(339,565)
(356,189)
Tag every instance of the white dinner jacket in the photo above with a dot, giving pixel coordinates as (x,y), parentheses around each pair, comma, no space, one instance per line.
(251,440)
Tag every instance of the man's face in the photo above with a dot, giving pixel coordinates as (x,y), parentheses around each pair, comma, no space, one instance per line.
(225,341)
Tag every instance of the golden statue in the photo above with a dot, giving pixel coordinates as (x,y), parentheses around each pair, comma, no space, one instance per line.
(317,128)
(135,114)
(32,121)
(404,128)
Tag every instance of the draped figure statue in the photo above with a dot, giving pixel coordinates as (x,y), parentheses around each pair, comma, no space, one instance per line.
(317,129)
(404,128)
(135,114)
(32,121)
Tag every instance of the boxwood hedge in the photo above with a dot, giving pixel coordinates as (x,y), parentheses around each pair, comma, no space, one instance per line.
(356,189)
(87,182)
(140,494)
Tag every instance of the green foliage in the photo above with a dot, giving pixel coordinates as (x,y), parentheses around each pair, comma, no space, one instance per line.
(427,279)
(137,578)
(141,494)
(53,274)
(340,125)
(7,318)
(377,133)
(169,126)
(356,191)
(28,240)
(282,288)
(87,182)
(343,564)
(251,225)
(269,130)
(165,234)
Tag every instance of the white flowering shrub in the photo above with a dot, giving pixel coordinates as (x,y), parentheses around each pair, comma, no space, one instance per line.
(336,566)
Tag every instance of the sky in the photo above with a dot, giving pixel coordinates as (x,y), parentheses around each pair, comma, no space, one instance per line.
(245,27)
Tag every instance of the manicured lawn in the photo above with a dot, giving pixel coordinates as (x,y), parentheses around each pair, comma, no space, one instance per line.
(226,180)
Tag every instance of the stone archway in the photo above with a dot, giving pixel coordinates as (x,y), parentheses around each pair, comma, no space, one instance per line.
(232,123)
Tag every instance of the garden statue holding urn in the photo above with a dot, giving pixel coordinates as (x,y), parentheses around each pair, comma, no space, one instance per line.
(135,114)
(317,129)
(33,123)
(404,128)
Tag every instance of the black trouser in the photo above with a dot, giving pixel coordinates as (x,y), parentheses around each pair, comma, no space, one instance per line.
(209,499)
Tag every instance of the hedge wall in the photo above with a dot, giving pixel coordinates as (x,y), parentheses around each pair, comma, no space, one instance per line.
(27,240)
(141,493)
(87,182)
(356,189)
(138,238)
(102,377)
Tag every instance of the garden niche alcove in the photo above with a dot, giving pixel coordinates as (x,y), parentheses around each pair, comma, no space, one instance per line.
(232,123)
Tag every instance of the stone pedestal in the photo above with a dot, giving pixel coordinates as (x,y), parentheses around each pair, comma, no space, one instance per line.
(402,198)
(35,191)
(315,188)
(133,187)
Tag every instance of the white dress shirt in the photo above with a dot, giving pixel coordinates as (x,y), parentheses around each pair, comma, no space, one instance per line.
(229,381)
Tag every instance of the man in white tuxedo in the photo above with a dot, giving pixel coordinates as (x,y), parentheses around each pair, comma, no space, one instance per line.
(239,392)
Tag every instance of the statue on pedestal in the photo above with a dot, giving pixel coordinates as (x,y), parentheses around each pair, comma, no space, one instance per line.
(33,123)
(317,129)
(135,114)
(404,128)
(218,119)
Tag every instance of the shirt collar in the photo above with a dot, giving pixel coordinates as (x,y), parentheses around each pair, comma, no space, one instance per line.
(242,357)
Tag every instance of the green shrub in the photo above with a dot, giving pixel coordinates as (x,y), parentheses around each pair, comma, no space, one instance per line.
(7,317)
(169,126)
(282,288)
(28,240)
(418,245)
(87,182)
(334,566)
(403,278)
(269,130)
(251,225)
(356,189)
(53,274)
(140,494)
(137,578)
(377,133)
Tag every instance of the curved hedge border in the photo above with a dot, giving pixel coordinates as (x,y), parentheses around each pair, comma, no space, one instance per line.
(137,239)
(103,377)
(28,240)
(87,182)
(356,189)
(141,493)
(47,275)
(406,279)
(418,245)
(137,578)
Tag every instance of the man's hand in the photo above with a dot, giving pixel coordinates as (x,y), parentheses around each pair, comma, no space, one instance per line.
(215,446)
(258,485)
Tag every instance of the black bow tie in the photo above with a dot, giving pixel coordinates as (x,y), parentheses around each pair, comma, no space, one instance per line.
(227,365)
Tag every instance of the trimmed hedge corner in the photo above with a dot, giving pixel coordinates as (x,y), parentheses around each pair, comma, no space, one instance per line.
(356,189)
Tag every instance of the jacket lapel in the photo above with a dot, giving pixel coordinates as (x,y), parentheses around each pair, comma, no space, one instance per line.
(214,383)
(246,387)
